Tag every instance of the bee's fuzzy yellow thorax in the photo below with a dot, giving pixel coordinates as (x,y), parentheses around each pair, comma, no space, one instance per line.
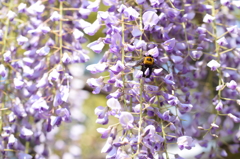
(148,60)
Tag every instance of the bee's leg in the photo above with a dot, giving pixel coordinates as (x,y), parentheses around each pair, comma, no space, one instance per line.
(143,69)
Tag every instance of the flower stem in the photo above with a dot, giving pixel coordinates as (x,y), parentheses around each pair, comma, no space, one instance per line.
(60,29)
(164,137)
(141,92)
(123,55)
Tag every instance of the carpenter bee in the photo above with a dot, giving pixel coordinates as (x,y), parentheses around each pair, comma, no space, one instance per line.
(147,62)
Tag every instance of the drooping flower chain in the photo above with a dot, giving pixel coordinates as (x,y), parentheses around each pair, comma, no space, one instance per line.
(186,39)
(39,40)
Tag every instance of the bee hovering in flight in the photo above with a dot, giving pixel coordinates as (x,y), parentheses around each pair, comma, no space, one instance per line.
(147,62)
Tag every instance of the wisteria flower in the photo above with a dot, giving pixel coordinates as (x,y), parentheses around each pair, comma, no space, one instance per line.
(77,34)
(176,59)
(236,3)
(43,51)
(214,126)
(219,106)
(234,118)
(136,32)
(208,18)
(93,6)
(25,133)
(214,65)
(96,84)
(169,44)
(55,16)
(96,46)
(233,30)
(105,132)
(21,40)
(36,8)
(11,15)
(225,2)
(140,44)
(117,68)
(126,119)
(155,3)
(232,85)
(1,35)
(92,29)
(196,54)
(22,155)
(22,7)
(222,41)
(53,76)
(66,59)
(154,52)
(185,142)
(100,111)
(7,56)
(131,13)
(3,71)
(220,87)
(18,83)
(150,19)
(113,104)
(97,68)
(183,108)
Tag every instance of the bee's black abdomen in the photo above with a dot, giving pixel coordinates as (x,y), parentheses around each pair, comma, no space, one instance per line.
(144,68)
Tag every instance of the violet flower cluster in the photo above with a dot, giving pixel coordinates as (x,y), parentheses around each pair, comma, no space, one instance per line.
(39,40)
(192,99)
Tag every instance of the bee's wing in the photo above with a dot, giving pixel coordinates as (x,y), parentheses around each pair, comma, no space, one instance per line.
(134,63)
(157,66)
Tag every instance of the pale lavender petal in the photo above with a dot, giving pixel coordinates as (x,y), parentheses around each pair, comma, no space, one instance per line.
(96,46)
(18,83)
(225,2)
(208,18)
(154,52)
(55,16)
(7,56)
(219,106)
(105,132)
(97,68)
(232,85)
(113,104)
(222,41)
(150,19)
(91,30)
(214,65)
(185,142)
(77,34)
(126,119)
(118,67)
(169,44)
(176,59)
(3,71)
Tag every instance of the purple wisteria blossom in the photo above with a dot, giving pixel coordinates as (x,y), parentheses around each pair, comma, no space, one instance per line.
(232,85)
(169,70)
(214,65)
(39,41)
(185,142)
(126,119)
(173,103)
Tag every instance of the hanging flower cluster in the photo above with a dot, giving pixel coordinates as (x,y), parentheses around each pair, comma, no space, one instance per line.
(38,41)
(191,94)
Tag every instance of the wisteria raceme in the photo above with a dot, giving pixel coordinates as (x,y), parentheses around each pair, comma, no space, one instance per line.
(191,99)
(35,76)
(172,71)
